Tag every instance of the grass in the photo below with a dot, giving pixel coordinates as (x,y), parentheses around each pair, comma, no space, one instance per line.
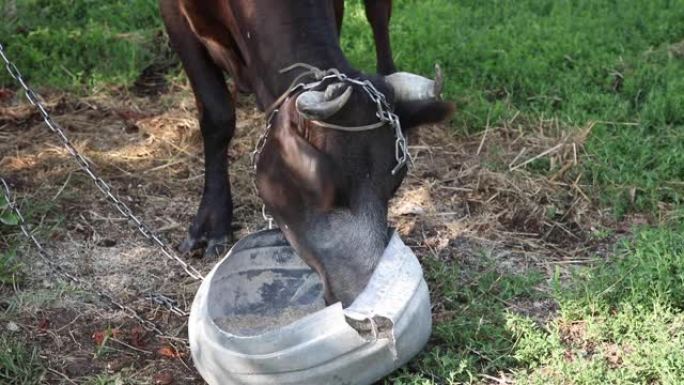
(617,323)
(471,336)
(19,365)
(105,379)
(80,44)
(620,323)
(9,266)
(10,234)
(617,63)
(19,361)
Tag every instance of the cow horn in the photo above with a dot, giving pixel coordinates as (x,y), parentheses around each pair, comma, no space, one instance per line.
(412,87)
(320,105)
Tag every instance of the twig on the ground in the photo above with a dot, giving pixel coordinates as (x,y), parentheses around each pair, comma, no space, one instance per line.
(64,376)
(496,379)
(550,150)
(520,154)
(130,346)
(484,136)
(578,189)
(572,261)
(66,182)
(70,323)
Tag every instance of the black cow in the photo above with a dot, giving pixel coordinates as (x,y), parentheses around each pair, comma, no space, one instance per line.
(328,189)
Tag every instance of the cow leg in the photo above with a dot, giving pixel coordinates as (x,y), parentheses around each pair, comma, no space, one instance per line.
(378,13)
(338,5)
(217,124)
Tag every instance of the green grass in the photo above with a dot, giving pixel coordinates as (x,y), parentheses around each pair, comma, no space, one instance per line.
(541,56)
(79,44)
(11,236)
(470,336)
(19,364)
(617,323)
(619,61)
(106,379)
(648,269)
(628,319)
(9,266)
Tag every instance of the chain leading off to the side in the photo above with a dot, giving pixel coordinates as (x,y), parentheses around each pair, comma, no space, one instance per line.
(82,284)
(82,162)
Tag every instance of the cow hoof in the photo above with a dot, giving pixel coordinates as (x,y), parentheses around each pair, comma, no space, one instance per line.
(215,247)
(189,245)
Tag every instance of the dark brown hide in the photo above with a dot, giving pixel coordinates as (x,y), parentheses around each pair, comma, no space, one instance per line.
(327,189)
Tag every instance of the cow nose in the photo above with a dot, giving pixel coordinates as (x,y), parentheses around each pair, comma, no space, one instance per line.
(347,245)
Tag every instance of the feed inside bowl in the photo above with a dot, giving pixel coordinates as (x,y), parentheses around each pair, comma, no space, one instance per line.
(262,288)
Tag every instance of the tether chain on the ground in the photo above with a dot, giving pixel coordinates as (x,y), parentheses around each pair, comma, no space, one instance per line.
(143,228)
(59,270)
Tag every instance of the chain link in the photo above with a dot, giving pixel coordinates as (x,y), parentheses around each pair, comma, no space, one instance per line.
(384,113)
(83,163)
(261,142)
(84,285)
(168,302)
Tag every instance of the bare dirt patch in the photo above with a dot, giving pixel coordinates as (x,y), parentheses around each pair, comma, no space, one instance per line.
(464,196)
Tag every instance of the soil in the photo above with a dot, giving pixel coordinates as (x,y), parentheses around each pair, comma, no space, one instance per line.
(464,197)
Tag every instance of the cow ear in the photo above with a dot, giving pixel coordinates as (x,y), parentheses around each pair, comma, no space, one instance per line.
(418,99)
(291,173)
(418,112)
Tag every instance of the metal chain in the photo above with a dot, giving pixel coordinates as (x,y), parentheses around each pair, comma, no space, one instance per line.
(384,113)
(168,302)
(84,285)
(259,146)
(261,142)
(82,162)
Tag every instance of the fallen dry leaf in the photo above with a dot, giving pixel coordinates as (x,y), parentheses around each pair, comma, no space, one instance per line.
(169,352)
(163,378)
(99,337)
(44,324)
(137,337)
(5,94)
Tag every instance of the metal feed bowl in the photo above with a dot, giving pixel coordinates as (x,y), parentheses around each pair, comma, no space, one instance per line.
(259,318)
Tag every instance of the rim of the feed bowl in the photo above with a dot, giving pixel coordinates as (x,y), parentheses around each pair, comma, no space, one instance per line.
(368,304)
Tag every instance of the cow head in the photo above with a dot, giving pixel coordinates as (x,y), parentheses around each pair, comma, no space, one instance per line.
(329,189)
